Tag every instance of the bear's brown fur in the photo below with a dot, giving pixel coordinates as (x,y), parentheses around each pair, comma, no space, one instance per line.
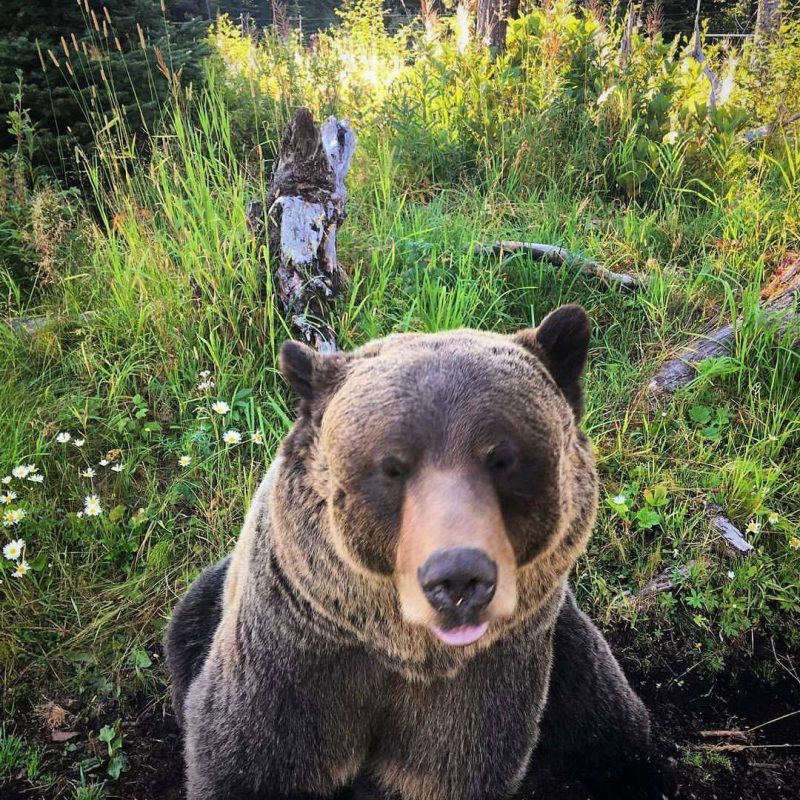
(312,661)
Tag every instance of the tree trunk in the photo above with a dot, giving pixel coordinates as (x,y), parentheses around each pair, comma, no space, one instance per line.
(304,207)
(491,23)
(767,18)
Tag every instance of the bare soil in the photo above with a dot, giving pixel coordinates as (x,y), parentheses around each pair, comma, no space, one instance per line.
(762,764)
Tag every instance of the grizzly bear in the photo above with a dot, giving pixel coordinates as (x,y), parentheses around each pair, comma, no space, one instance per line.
(394,620)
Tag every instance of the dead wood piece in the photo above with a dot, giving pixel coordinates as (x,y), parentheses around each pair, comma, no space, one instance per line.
(763,131)
(727,734)
(557,256)
(663,582)
(777,300)
(732,535)
(304,207)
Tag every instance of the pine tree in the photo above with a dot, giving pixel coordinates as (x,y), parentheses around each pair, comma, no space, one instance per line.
(82,62)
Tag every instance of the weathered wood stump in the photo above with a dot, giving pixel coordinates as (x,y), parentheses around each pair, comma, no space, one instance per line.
(304,207)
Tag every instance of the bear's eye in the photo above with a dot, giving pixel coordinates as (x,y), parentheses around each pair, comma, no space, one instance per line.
(393,468)
(501,460)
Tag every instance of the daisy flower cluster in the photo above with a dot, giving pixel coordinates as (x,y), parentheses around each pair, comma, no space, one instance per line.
(12,514)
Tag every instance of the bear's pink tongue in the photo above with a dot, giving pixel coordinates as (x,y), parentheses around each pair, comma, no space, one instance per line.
(459,637)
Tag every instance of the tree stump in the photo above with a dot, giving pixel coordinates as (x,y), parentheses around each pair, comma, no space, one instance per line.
(304,207)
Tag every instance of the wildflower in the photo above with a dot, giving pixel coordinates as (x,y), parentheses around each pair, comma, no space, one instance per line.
(13,550)
(620,499)
(79,514)
(671,137)
(773,518)
(794,543)
(184,461)
(5,499)
(731,574)
(91,506)
(88,473)
(37,477)
(257,438)
(21,471)
(753,526)
(606,95)
(118,467)
(220,407)
(63,437)
(205,386)
(231,437)
(6,479)
(104,462)
(772,437)
(21,569)
(79,442)
(205,373)
(14,516)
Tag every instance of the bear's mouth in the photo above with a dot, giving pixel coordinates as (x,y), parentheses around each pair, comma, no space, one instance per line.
(462,635)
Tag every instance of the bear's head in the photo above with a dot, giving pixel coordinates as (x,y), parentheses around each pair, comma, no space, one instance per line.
(448,469)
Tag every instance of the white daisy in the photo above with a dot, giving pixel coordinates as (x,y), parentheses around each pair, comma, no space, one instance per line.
(104,462)
(753,526)
(6,479)
(13,516)
(79,442)
(20,472)
(231,437)
(731,574)
(37,477)
(117,467)
(257,438)
(620,499)
(5,499)
(63,437)
(21,569)
(88,472)
(184,461)
(773,518)
(220,407)
(91,506)
(13,550)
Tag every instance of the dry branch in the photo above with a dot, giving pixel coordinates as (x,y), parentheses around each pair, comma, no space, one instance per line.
(762,131)
(777,300)
(304,207)
(557,256)
(663,582)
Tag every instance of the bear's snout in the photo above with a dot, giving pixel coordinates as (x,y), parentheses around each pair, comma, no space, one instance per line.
(459,582)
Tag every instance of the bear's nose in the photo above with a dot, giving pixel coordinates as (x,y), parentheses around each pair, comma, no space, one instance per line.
(459,579)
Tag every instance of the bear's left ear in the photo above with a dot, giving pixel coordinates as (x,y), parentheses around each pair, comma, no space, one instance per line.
(561,342)
(312,375)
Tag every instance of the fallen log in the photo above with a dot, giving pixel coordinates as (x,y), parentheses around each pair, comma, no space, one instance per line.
(304,207)
(777,299)
(552,254)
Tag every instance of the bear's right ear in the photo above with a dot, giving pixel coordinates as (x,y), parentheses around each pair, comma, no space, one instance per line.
(311,374)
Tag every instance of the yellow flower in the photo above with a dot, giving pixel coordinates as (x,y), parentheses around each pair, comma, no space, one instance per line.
(257,438)
(773,518)
(231,437)
(184,461)
(21,569)
(794,543)
(753,526)
(13,550)
(220,408)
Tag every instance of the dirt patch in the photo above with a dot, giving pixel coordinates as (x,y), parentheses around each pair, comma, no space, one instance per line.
(758,766)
